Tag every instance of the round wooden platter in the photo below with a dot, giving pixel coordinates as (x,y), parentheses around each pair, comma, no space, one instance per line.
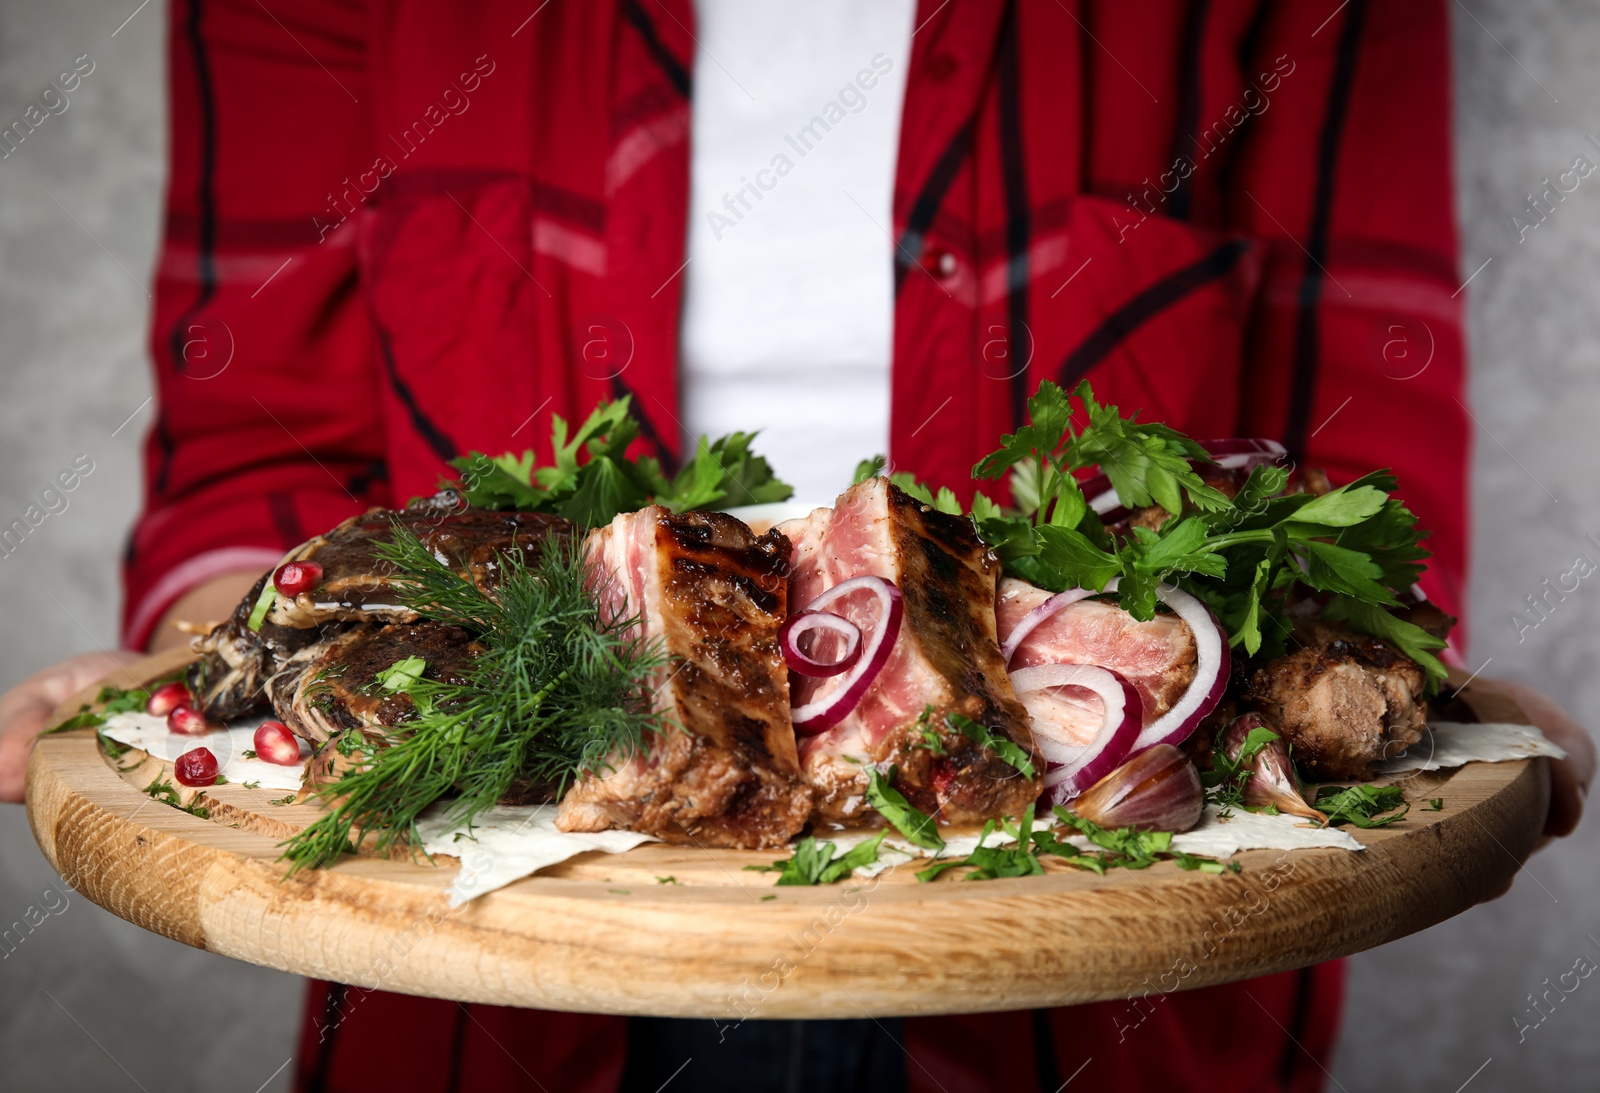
(610,934)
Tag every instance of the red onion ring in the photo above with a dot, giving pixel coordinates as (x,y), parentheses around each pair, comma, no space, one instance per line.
(1073,767)
(1032,619)
(801,623)
(822,714)
(1236,453)
(1211,672)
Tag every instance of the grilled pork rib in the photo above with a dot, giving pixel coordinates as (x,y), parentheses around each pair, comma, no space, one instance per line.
(1158,657)
(1344,700)
(713,594)
(946,657)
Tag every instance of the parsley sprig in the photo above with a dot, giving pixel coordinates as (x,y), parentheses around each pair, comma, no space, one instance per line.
(1355,547)
(592,479)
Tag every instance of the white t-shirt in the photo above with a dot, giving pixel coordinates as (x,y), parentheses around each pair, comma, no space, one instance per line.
(789,300)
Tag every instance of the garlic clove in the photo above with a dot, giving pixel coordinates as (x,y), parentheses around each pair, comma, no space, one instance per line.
(1272,778)
(1157,790)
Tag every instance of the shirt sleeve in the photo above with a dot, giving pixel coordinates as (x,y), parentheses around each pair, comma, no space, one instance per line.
(267,420)
(1356,352)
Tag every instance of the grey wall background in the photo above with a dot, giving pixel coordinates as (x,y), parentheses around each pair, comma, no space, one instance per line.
(90,1002)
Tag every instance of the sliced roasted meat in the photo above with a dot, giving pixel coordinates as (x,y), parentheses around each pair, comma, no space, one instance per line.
(1343,700)
(1157,657)
(946,657)
(724,772)
(332,686)
(230,677)
(358,586)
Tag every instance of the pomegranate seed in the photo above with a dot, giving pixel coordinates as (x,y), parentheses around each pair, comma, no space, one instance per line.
(167,697)
(276,744)
(196,768)
(187,721)
(293,578)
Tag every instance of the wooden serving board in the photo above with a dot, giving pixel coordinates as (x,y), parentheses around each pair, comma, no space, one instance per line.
(601,933)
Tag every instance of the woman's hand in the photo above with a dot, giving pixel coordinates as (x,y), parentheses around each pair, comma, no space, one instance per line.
(26,707)
(1570,777)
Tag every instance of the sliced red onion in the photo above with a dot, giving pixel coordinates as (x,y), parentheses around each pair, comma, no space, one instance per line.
(1243,453)
(1210,675)
(1074,767)
(802,623)
(824,713)
(1032,619)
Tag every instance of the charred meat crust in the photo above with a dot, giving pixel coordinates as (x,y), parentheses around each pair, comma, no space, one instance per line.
(728,774)
(329,688)
(358,586)
(1344,701)
(948,583)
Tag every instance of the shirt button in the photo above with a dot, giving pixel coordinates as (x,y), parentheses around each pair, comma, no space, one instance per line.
(941,67)
(940,262)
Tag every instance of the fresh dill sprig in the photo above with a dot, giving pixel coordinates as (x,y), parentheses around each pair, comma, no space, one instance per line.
(559,690)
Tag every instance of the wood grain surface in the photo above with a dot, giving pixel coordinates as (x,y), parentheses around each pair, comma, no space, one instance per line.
(601,933)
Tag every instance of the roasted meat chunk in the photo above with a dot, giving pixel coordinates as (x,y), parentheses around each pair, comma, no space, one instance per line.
(229,679)
(1158,657)
(724,771)
(357,586)
(333,685)
(1343,700)
(945,657)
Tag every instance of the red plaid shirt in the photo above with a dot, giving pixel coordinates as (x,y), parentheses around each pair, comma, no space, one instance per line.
(396,232)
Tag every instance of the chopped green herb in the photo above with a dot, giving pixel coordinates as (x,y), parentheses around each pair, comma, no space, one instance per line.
(1362,806)
(927,736)
(985,737)
(255,784)
(167,793)
(289,800)
(112,700)
(83,719)
(667,880)
(258,613)
(113,749)
(892,806)
(1435,804)
(994,862)
(819,863)
(1131,848)
(400,675)
(765,898)
(248,753)
(592,478)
